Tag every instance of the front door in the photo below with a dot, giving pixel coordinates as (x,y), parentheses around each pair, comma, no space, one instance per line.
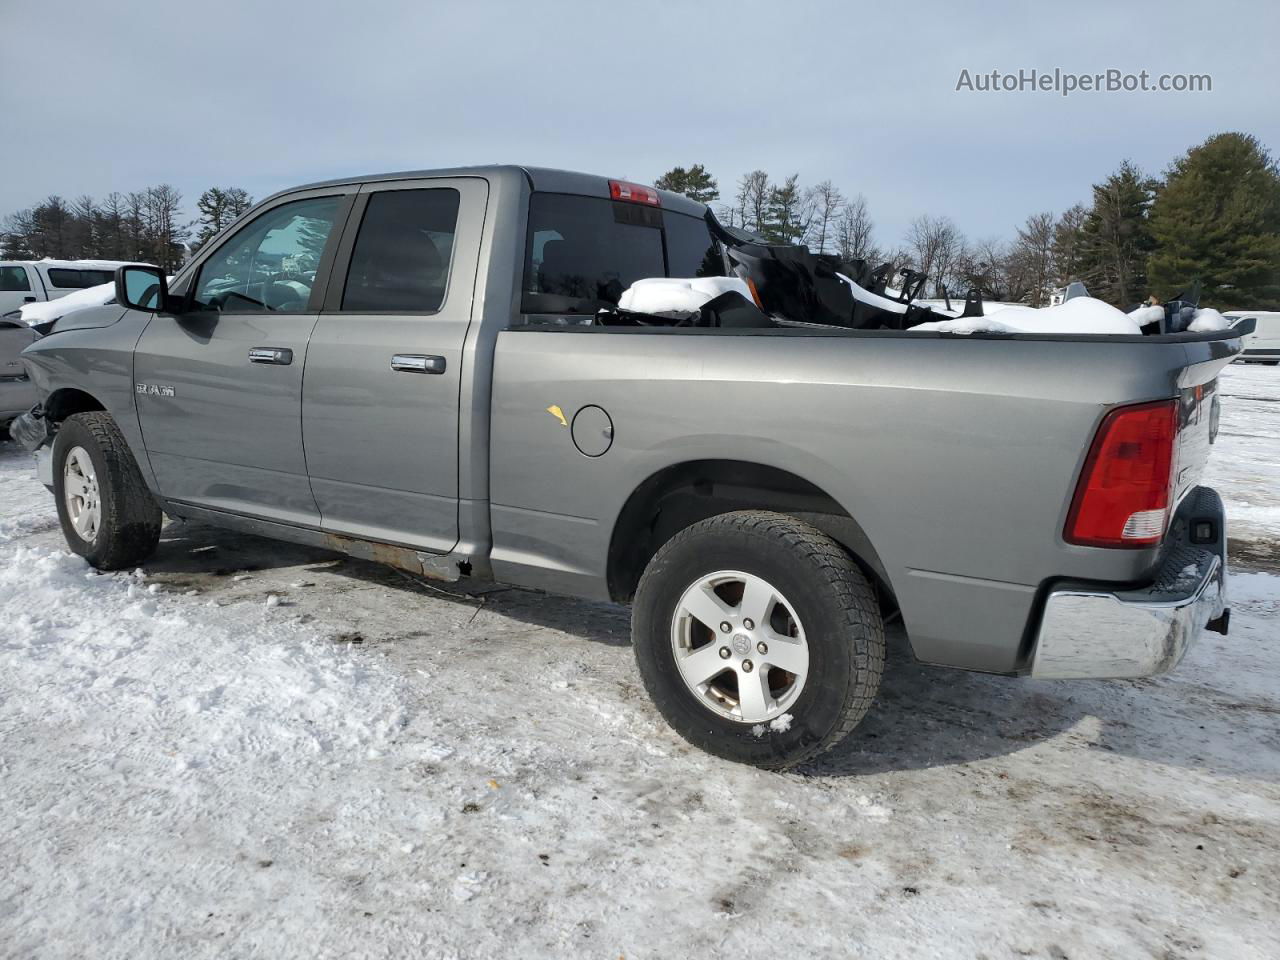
(380,401)
(219,387)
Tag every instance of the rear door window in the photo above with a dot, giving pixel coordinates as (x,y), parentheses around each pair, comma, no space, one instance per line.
(400,262)
(581,253)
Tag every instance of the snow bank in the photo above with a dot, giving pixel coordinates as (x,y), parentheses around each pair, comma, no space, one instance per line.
(1080,315)
(47,310)
(678,298)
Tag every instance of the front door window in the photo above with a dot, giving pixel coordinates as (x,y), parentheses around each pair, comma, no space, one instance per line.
(270,265)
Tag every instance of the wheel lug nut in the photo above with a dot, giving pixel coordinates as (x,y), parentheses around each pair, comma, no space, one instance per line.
(725,626)
(762,647)
(724,653)
(749,624)
(746,666)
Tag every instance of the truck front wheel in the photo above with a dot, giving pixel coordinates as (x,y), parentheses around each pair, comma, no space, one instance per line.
(108,515)
(758,638)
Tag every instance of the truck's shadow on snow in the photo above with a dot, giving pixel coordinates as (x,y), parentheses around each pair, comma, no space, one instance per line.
(199,555)
(923,717)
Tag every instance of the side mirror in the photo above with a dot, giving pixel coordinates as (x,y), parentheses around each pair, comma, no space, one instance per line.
(141,288)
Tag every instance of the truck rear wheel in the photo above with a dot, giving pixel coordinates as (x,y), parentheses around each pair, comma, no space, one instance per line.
(108,515)
(758,638)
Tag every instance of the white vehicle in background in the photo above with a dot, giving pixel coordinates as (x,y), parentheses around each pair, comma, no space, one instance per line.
(34,281)
(1263,345)
(34,292)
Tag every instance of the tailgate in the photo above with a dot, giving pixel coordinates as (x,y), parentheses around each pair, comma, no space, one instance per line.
(1198,402)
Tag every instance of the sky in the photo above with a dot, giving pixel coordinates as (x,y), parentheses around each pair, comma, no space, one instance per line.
(270,95)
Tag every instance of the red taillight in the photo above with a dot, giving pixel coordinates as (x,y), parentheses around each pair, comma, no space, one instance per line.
(634,193)
(1123,497)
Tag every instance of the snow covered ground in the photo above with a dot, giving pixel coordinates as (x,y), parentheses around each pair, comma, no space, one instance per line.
(370,766)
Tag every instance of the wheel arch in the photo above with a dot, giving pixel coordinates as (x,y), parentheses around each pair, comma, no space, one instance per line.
(65,401)
(684,493)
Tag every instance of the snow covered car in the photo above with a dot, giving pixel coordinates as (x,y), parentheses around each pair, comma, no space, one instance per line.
(35,281)
(17,392)
(588,386)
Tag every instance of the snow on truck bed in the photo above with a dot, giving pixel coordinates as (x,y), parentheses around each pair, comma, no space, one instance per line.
(375,766)
(682,298)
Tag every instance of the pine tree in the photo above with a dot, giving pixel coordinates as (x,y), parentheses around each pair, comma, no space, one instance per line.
(218,207)
(52,228)
(1217,220)
(786,213)
(695,183)
(1117,237)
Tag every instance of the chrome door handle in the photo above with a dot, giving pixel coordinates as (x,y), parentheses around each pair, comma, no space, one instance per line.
(280,355)
(416,363)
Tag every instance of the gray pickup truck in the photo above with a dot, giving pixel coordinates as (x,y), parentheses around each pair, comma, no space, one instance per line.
(427,369)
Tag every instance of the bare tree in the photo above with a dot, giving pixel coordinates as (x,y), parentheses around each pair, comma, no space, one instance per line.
(135,226)
(1069,244)
(752,200)
(826,202)
(16,239)
(1034,248)
(936,245)
(161,207)
(114,244)
(853,231)
(82,231)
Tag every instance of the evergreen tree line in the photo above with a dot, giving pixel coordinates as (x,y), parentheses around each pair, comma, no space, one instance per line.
(145,226)
(1213,217)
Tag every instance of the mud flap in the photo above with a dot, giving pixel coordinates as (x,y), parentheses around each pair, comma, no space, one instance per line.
(31,429)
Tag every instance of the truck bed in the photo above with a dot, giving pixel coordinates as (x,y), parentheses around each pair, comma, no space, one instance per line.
(955,456)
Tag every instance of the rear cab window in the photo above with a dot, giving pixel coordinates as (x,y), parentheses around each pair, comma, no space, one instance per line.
(582,252)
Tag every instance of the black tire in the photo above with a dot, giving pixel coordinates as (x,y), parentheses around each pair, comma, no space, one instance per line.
(130,517)
(830,597)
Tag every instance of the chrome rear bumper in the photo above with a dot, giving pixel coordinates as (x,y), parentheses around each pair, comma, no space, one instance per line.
(1090,632)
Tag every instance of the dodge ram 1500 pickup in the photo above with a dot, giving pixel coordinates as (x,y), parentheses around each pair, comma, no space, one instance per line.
(432,370)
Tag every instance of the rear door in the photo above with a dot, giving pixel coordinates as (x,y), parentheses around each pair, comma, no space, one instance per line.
(219,387)
(380,402)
